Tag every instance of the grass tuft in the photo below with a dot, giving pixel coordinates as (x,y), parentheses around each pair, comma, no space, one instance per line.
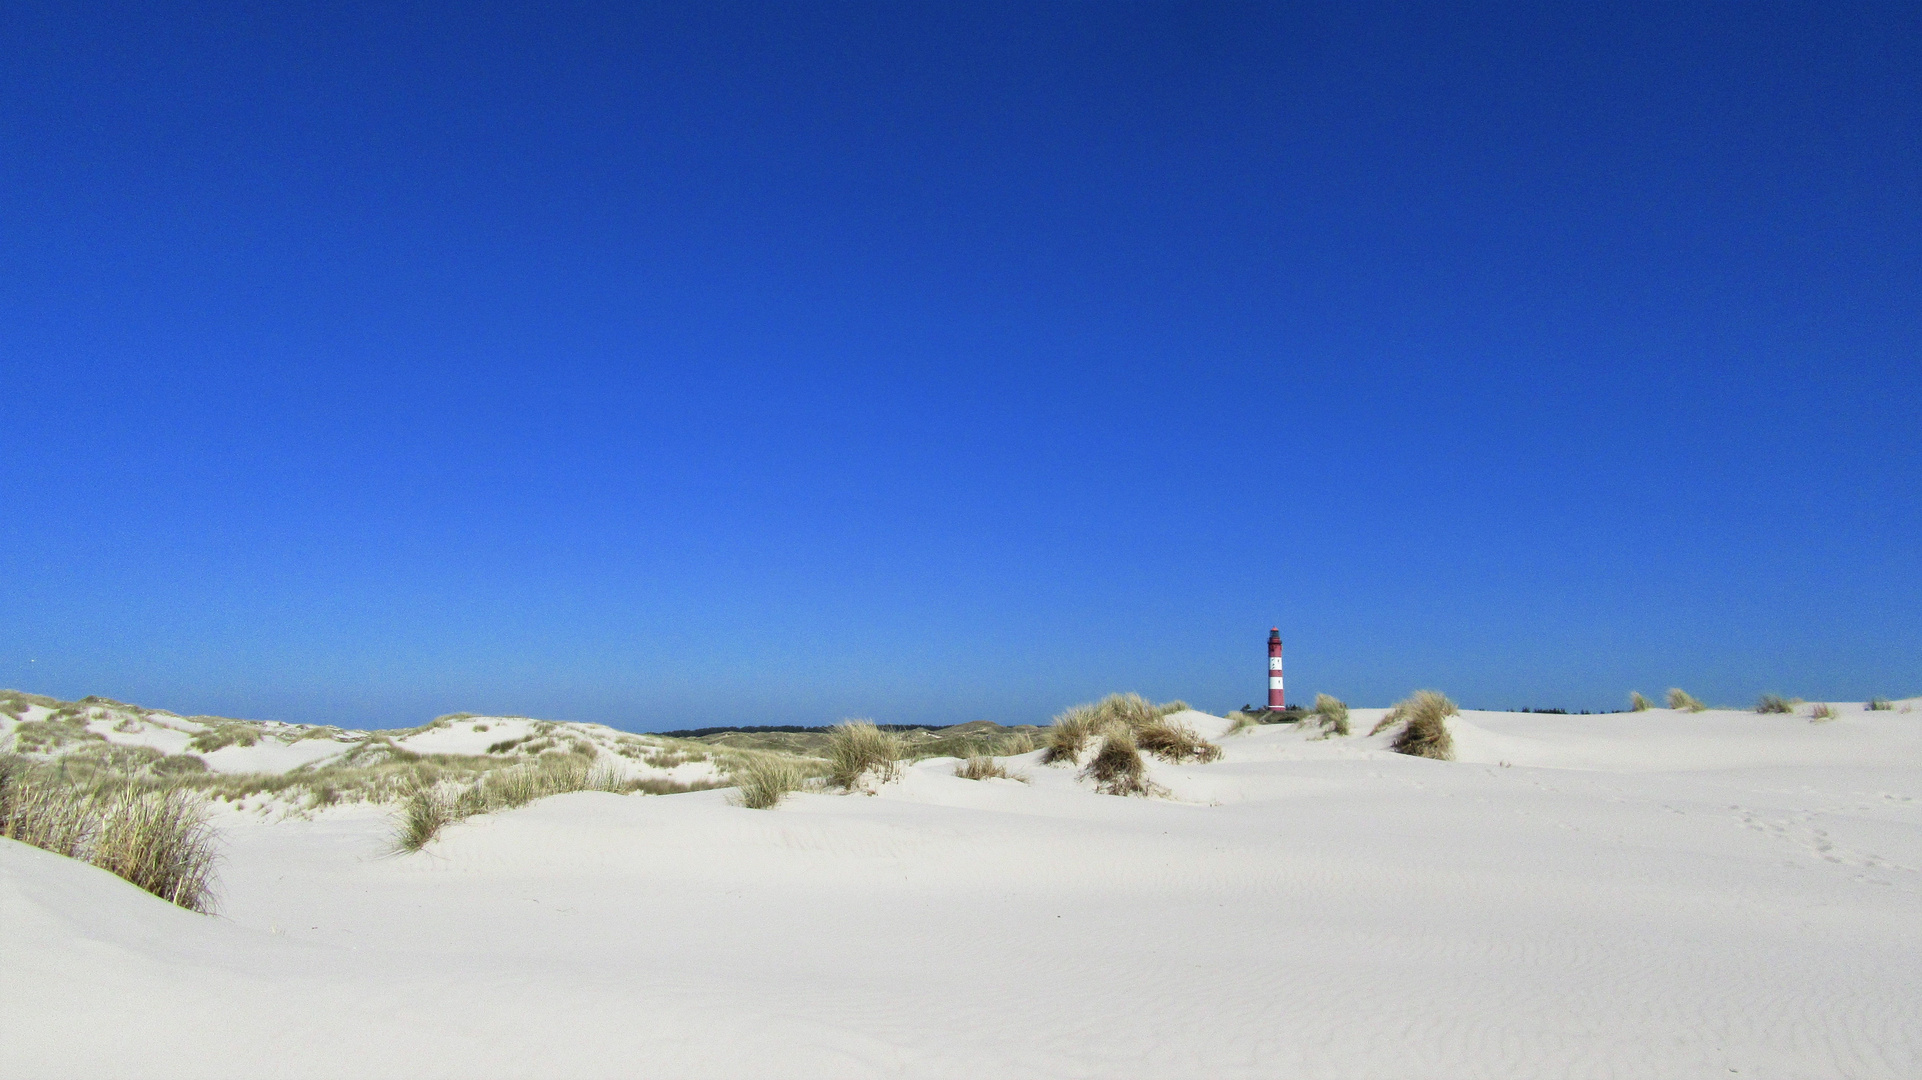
(857,748)
(1879,705)
(1117,769)
(1822,713)
(982,767)
(1775,703)
(762,782)
(1424,730)
(1069,734)
(1333,713)
(426,810)
(1682,700)
(1638,703)
(1241,723)
(155,837)
(1175,742)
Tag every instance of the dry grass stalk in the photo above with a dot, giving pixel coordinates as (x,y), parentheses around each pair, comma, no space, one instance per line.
(1775,703)
(1681,699)
(1333,713)
(1424,732)
(1638,703)
(1822,713)
(856,748)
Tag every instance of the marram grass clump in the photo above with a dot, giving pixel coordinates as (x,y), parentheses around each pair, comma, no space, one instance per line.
(983,767)
(1069,735)
(156,837)
(1146,725)
(1683,701)
(430,806)
(1333,713)
(1638,703)
(857,748)
(1775,703)
(1175,742)
(1424,732)
(1117,768)
(761,784)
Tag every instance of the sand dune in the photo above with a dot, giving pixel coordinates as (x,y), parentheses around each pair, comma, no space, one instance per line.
(1655,894)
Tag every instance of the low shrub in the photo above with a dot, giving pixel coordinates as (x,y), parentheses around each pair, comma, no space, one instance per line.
(1682,700)
(215,738)
(1638,703)
(857,748)
(761,783)
(1333,713)
(1773,703)
(178,765)
(1879,705)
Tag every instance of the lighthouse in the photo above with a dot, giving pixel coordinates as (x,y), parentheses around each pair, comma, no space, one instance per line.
(1277,700)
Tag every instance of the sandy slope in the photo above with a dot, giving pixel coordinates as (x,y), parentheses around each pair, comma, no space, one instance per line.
(1656,895)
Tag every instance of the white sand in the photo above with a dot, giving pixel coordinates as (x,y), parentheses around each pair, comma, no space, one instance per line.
(1649,895)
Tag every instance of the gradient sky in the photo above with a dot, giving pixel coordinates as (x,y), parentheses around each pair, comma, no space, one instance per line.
(709,363)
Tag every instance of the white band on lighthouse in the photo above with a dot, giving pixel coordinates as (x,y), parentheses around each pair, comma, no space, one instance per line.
(1274,682)
(1274,663)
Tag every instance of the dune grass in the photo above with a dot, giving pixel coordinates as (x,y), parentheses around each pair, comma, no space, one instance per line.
(1241,723)
(1146,725)
(762,782)
(983,767)
(1117,768)
(1776,704)
(1638,703)
(1424,720)
(1070,733)
(857,748)
(1684,701)
(1879,705)
(155,837)
(1822,713)
(1333,713)
(1175,742)
(431,806)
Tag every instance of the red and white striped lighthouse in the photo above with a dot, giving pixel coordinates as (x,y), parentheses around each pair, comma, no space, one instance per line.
(1277,700)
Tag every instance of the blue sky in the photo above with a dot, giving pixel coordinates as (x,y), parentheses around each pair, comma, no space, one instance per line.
(932,363)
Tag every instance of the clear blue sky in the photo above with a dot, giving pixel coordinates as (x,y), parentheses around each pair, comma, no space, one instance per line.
(712,363)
